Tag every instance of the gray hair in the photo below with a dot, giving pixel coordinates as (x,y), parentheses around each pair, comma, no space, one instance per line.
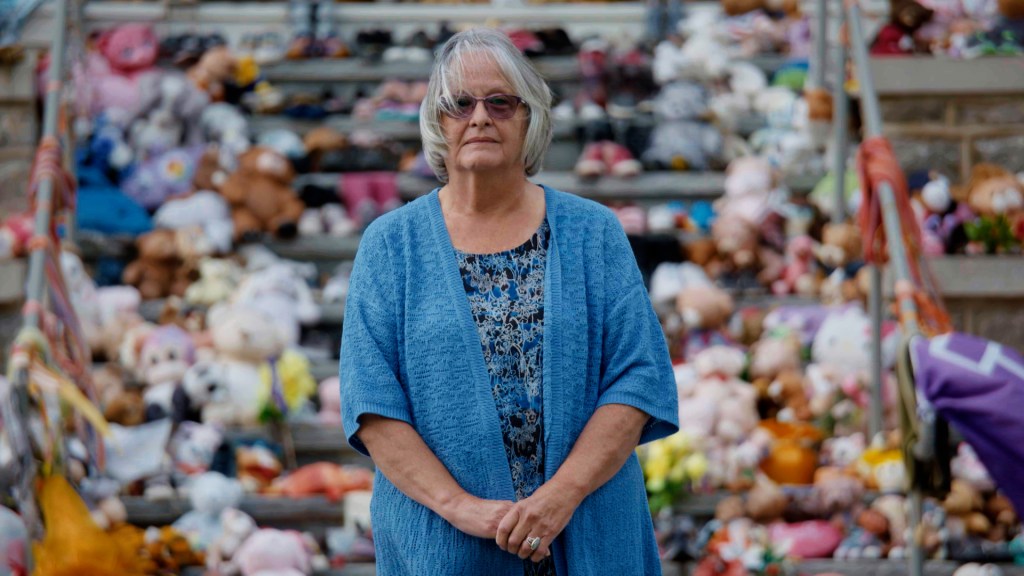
(446,80)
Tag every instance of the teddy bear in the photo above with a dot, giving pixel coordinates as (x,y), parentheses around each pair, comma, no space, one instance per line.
(996,196)
(705,311)
(897,37)
(799,276)
(840,255)
(746,263)
(168,116)
(283,296)
(683,139)
(167,353)
(157,272)
(121,404)
(214,73)
(244,339)
(218,279)
(206,217)
(750,188)
(210,493)
(261,197)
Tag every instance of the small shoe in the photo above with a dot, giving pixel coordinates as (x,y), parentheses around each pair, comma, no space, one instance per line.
(620,161)
(592,162)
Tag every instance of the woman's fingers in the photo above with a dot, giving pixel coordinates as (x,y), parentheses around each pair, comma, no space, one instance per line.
(542,552)
(505,527)
(517,539)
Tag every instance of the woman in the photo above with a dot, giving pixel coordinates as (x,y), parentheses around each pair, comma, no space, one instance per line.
(500,359)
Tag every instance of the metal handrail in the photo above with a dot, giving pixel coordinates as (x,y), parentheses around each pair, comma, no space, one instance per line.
(923,450)
(18,407)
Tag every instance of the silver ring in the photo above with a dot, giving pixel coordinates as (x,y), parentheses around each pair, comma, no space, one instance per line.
(534,543)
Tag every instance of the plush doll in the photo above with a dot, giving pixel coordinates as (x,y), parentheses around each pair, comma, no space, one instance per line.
(244,339)
(193,445)
(210,494)
(705,311)
(967,467)
(330,402)
(270,550)
(286,385)
(260,195)
(840,256)
(284,296)
(156,272)
(73,543)
(774,354)
(123,60)
(162,177)
(326,478)
(205,210)
(167,353)
(214,73)
(798,277)
(257,465)
(14,235)
(996,196)
(218,279)
(737,241)
(16,558)
(236,527)
(227,131)
(750,184)
(964,507)
(906,17)
(683,140)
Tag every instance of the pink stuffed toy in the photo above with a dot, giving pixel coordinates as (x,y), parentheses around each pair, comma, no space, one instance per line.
(124,56)
(798,276)
(267,550)
(330,402)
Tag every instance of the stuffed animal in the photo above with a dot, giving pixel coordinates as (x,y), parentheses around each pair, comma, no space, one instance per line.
(840,256)
(166,550)
(244,338)
(775,354)
(167,353)
(193,445)
(261,197)
(218,279)
(737,242)
(906,17)
(283,296)
(330,402)
(749,185)
(270,550)
(157,272)
(123,60)
(799,275)
(205,210)
(210,494)
(258,464)
(14,235)
(705,311)
(168,116)
(326,478)
(162,177)
(997,197)
(236,527)
(16,558)
(214,73)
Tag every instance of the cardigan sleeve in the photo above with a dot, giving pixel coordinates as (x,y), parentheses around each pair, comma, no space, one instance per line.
(369,366)
(635,366)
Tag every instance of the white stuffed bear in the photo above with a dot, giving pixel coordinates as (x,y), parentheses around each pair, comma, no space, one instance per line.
(211,494)
(204,209)
(217,281)
(283,296)
(244,338)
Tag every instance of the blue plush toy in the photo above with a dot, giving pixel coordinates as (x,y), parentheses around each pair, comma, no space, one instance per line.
(159,178)
(103,208)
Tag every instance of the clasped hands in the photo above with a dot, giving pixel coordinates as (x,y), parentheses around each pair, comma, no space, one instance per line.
(512,524)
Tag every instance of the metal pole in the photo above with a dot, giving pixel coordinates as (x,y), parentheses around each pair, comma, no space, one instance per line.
(898,257)
(44,196)
(840,128)
(820,43)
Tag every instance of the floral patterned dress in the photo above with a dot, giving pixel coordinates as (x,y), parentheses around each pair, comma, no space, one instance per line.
(506,296)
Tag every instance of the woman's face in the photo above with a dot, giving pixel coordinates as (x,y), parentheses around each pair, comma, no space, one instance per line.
(481,143)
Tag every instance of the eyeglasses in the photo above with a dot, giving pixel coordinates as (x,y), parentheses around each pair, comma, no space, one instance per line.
(498,106)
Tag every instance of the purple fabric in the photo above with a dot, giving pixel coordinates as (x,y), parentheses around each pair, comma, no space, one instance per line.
(978,386)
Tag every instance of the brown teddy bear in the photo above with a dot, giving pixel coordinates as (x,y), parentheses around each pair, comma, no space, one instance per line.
(996,196)
(260,195)
(841,254)
(158,271)
(214,71)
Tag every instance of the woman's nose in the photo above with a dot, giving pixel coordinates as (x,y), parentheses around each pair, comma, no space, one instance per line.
(480,114)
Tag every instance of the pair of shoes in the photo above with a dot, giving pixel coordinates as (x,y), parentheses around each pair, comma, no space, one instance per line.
(184,50)
(607,158)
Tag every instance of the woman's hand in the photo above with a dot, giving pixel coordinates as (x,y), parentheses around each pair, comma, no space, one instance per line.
(476,516)
(543,515)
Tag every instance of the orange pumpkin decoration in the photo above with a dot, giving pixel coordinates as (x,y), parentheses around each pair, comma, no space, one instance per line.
(793,457)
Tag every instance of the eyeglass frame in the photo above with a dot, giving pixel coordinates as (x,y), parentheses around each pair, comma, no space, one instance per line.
(447,106)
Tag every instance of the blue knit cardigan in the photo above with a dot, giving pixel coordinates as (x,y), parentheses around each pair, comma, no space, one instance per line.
(411,351)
